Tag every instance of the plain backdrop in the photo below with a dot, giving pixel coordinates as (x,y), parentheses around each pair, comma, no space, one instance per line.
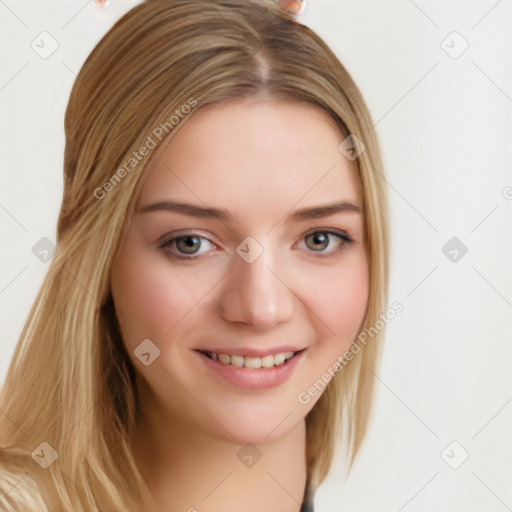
(437,79)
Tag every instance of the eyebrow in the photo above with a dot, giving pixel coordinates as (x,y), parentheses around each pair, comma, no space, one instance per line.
(204,212)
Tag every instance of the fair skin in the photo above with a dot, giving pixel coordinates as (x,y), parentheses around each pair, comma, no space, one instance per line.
(305,293)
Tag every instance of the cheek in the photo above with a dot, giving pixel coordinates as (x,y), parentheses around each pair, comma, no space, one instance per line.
(347,301)
(339,302)
(337,310)
(149,298)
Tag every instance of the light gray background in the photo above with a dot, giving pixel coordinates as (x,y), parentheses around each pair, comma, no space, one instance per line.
(445,128)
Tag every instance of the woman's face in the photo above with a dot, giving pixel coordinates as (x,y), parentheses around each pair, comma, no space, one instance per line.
(247,240)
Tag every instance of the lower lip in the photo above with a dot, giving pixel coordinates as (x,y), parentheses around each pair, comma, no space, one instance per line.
(250,378)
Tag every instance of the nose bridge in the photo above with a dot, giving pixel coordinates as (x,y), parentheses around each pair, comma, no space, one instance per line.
(255,294)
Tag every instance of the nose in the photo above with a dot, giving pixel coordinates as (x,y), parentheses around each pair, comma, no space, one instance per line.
(256,294)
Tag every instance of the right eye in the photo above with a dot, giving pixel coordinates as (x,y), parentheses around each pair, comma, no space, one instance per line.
(188,246)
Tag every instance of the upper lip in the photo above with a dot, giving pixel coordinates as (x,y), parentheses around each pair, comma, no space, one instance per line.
(252,351)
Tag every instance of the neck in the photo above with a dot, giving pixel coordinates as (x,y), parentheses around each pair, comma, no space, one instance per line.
(187,469)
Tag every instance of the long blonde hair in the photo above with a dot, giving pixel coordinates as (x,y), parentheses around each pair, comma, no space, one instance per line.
(70,382)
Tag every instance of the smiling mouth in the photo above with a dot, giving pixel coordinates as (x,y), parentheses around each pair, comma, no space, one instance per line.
(252,362)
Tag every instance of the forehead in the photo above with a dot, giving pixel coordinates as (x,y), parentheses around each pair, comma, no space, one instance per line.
(244,154)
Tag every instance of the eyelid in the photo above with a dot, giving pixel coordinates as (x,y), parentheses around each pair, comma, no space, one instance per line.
(333,231)
(187,232)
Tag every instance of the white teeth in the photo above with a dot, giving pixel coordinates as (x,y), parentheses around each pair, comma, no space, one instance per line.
(252,362)
(279,359)
(224,358)
(237,361)
(267,361)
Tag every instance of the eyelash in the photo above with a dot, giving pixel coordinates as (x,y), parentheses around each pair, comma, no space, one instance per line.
(168,241)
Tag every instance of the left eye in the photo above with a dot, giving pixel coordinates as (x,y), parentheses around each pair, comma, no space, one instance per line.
(319,241)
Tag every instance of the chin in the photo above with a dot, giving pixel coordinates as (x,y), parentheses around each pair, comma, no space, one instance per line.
(256,427)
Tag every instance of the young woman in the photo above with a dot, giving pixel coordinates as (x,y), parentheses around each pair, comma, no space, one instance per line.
(222,241)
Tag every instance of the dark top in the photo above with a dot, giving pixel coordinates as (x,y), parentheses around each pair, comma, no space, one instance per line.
(307,507)
(307,503)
